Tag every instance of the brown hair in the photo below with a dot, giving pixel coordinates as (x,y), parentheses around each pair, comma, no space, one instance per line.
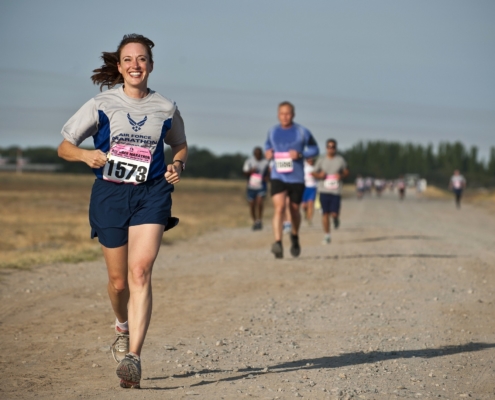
(108,74)
(288,103)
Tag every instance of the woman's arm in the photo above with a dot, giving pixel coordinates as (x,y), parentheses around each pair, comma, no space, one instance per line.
(70,152)
(174,169)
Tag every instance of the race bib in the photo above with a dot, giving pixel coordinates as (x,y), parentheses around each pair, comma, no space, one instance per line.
(255,181)
(283,163)
(331,182)
(127,164)
(457,184)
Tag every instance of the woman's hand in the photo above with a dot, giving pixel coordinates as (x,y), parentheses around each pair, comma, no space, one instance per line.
(70,152)
(173,173)
(95,158)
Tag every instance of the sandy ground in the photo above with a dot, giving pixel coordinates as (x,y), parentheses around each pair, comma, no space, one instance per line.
(399,305)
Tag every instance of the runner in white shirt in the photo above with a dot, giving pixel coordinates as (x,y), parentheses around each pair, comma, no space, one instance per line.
(457,184)
(310,189)
(130,205)
(360,187)
(379,186)
(256,171)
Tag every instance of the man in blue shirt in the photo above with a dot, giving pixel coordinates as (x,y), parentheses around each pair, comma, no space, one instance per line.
(287,145)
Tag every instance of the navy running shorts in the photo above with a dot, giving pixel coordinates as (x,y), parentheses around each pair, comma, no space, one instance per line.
(116,206)
(330,203)
(309,194)
(251,194)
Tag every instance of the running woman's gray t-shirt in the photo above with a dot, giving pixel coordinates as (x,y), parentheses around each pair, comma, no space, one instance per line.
(112,117)
(330,166)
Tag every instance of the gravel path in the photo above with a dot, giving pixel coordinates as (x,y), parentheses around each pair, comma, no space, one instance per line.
(399,305)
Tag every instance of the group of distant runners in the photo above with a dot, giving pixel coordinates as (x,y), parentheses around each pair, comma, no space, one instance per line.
(364,186)
(131,199)
(296,173)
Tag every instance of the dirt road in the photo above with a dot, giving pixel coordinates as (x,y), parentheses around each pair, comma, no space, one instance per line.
(401,304)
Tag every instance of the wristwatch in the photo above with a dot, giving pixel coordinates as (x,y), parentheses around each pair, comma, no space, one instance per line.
(182,164)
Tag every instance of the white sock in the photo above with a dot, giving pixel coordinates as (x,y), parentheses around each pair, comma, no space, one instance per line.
(123,326)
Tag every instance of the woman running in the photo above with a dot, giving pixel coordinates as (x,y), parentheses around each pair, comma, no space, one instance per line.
(131,202)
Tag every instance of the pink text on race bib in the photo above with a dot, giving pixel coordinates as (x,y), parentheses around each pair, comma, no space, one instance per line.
(131,152)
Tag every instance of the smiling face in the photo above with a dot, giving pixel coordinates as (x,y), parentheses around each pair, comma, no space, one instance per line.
(135,66)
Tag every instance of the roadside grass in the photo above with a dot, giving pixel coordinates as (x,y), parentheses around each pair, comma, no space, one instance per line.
(480,197)
(44,217)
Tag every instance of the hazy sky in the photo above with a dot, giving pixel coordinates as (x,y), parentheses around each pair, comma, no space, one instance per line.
(420,71)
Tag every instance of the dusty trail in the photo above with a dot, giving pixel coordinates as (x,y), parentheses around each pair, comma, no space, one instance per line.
(399,305)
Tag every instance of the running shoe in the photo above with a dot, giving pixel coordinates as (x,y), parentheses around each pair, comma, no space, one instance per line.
(295,249)
(278,250)
(336,222)
(255,226)
(260,225)
(326,240)
(120,346)
(129,372)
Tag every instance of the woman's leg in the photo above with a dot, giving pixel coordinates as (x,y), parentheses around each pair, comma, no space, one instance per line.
(118,289)
(144,244)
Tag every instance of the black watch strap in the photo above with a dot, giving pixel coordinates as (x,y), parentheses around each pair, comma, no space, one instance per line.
(182,164)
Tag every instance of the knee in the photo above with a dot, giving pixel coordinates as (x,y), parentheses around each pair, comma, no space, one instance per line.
(140,274)
(118,284)
(279,211)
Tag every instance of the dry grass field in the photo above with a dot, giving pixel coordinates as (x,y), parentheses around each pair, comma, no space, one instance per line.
(44,217)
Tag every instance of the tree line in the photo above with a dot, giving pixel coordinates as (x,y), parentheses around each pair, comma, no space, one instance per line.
(388,160)
(379,159)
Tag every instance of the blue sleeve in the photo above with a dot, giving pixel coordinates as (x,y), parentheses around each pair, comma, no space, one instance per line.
(268,143)
(311,147)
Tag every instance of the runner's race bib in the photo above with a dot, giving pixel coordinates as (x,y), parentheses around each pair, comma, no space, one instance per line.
(256,181)
(283,163)
(331,182)
(127,164)
(457,184)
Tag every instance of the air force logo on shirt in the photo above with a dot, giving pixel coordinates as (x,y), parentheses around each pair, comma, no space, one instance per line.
(136,126)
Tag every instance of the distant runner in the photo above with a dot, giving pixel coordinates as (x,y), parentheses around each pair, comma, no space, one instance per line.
(330,169)
(457,184)
(379,186)
(401,187)
(310,188)
(288,144)
(256,170)
(360,187)
(368,184)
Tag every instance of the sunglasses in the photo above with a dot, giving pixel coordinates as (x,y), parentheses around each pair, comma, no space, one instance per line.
(331,147)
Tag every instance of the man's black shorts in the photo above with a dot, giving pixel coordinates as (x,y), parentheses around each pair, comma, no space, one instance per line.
(295,191)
